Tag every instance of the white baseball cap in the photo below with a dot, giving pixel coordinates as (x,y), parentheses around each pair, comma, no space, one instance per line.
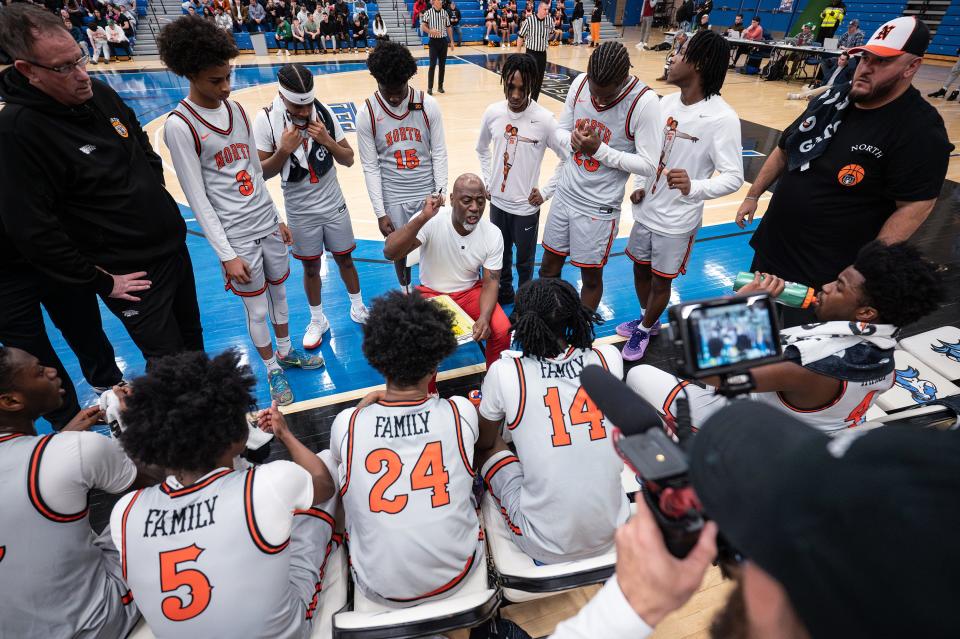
(896,37)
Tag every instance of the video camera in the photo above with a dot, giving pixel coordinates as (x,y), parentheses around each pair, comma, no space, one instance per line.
(722,337)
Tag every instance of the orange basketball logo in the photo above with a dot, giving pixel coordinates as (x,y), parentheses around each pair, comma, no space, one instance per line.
(850,175)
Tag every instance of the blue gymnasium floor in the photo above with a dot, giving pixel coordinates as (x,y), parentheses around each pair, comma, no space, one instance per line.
(721,252)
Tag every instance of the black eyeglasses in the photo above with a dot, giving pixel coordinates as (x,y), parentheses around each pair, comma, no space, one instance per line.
(64,68)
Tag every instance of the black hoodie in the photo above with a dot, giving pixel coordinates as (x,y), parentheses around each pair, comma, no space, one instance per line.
(80,187)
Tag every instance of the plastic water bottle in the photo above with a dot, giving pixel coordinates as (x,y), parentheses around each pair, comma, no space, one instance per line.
(795,295)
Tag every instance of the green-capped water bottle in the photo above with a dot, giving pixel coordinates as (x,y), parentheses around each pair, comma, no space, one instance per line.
(795,295)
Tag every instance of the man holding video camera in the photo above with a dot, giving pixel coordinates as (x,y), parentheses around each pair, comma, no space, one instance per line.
(810,558)
(833,370)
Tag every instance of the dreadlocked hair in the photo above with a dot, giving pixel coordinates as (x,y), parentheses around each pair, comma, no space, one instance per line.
(548,316)
(526,66)
(295,77)
(190,44)
(391,64)
(709,54)
(609,64)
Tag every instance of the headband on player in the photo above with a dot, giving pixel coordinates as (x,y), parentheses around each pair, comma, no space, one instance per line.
(297,98)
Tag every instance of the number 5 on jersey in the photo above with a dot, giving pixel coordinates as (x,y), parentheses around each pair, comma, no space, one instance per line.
(406,159)
(172,578)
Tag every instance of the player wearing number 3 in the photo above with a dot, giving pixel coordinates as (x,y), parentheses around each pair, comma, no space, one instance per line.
(401,143)
(405,462)
(561,492)
(215,156)
(611,122)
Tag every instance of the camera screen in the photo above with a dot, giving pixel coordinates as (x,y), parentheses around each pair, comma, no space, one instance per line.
(732,334)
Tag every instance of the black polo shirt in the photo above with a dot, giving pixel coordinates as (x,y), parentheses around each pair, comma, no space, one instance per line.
(819,218)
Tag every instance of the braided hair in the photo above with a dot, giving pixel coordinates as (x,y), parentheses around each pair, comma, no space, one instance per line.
(709,54)
(295,77)
(526,66)
(548,316)
(609,64)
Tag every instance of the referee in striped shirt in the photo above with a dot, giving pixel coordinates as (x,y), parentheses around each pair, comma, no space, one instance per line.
(436,22)
(534,33)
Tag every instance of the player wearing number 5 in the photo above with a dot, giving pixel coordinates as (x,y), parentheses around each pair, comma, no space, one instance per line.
(611,122)
(216,551)
(215,156)
(561,492)
(401,143)
(405,463)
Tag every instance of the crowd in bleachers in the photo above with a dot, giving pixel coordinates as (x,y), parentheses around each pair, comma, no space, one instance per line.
(103,30)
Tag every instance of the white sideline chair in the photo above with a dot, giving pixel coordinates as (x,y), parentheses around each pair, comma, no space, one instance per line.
(474,603)
(923,345)
(927,385)
(333,596)
(522,579)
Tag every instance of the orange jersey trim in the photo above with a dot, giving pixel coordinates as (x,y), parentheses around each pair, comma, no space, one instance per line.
(318,513)
(626,124)
(843,389)
(619,99)
(193,131)
(386,108)
(521,406)
(33,487)
(459,425)
(226,131)
(8,437)
(258,540)
(603,360)
(672,396)
(445,587)
(346,481)
(123,532)
(186,490)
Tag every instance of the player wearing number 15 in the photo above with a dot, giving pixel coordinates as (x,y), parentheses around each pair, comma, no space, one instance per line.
(405,463)
(611,123)
(213,551)
(561,492)
(212,144)
(401,143)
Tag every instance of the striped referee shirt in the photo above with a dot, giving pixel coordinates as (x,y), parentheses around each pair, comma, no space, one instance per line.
(536,32)
(436,21)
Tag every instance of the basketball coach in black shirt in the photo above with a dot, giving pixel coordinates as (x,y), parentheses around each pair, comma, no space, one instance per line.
(865,161)
(82,199)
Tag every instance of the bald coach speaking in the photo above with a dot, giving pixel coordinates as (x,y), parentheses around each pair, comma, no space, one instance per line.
(82,198)
(456,243)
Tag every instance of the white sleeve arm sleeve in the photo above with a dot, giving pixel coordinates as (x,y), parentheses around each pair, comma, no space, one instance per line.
(483,151)
(438,146)
(186,163)
(727,155)
(648,139)
(607,615)
(370,161)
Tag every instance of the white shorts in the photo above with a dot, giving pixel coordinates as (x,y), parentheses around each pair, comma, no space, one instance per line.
(268,260)
(667,255)
(335,236)
(401,213)
(587,240)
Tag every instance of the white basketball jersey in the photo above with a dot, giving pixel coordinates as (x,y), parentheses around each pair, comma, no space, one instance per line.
(407,490)
(848,410)
(585,184)
(198,565)
(403,148)
(232,182)
(52,575)
(572,498)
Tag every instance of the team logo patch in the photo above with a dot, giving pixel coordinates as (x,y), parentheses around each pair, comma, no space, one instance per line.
(807,124)
(850,175)
(118,125)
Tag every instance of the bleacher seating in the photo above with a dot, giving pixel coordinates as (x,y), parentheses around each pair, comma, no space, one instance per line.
(242,38)
(947,39)
(473,26)
(871,14)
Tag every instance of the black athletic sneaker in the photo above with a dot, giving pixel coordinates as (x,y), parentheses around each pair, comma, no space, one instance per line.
(953,95)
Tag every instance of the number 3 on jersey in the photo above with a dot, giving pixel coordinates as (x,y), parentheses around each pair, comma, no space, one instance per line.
(582,410)
(246,183)
(406,159)
(171,578)
(428,472)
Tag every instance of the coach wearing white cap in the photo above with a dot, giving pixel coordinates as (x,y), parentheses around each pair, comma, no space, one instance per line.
(865,161)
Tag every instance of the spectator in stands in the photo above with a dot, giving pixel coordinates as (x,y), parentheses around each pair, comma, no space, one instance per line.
(343,32)
(685,15)
(256,17)
(841,72)
(491,18)
(283,36)
(503,28)
(556,35)
(98,18)
(419,6)
(359,34)
(79,36)
(831,374)
(190,4)
(646,21)
(98,42)
(118,41)
(576,23)
(455,244)
(222,20)
(954,74)
(678,41)
(753,32)
(275,10)
(225,6)
(298,38)
(77,13)
(342,10)
(328,30)
(737,27)
(59,579)
(380,29)
(852,37)
(311,32)
(797,59)
(595,19)
(455,17)
(704,22)
(129,28)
